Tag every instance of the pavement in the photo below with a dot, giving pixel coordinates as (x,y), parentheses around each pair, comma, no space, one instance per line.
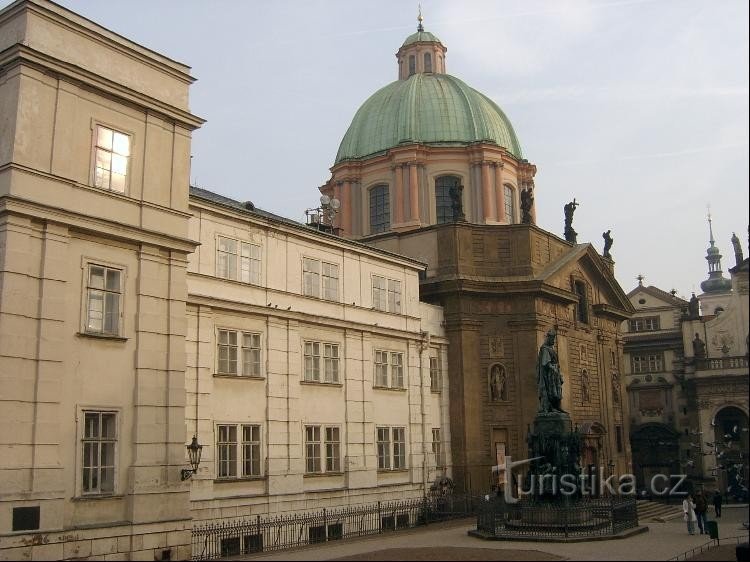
(450,541)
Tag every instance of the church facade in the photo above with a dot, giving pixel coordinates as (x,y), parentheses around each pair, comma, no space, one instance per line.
(432,169)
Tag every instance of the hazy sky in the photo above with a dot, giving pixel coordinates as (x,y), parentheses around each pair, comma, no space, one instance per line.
(638,108)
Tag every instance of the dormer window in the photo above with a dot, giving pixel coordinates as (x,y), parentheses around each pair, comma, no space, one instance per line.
(428,62)
(412,64)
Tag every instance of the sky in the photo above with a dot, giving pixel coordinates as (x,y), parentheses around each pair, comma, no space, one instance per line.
(637,108)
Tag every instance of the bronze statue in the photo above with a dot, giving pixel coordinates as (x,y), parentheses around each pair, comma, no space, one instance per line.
(570,208)
(607,244)
(699,347)
(527,202)
(456,195)
(548,376)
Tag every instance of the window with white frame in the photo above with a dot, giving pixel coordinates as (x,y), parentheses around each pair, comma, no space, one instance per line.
(238,450)
(238,353)
(391,447)
(320,279)
(99,442)
(437,450)
(321,362)
(645,324)
(386,294)
(111,158)
(435,378)
(648,363)
(103,300)
(320,438)
(236,260)
(389,369)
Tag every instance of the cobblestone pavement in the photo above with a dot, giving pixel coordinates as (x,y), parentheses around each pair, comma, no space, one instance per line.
(446,541)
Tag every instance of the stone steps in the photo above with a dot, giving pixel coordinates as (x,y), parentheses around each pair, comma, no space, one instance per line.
(655,511)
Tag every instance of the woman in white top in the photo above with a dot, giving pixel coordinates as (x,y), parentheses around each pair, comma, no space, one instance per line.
(688,507)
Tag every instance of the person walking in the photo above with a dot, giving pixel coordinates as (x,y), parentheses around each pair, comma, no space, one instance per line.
(688,507)
(717,503)
(701,507)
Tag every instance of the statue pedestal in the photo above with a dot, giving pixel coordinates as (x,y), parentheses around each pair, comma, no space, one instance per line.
(553,439)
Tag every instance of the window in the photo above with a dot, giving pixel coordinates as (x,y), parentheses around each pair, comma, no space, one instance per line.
(228,447)
(443,200)
(330,362)
(380,209)
(99,442)
(437,446)
(111,159)
(386,294)
(239,261)
(648,324)
(311,279)
(386,361)
(650,363)
(314,447)
(428,62)
(391,443)
(238,353)
(103,300)
(510,204)
(582,308)
(435,378)
(412,64)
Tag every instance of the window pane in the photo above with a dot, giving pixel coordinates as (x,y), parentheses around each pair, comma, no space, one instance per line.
(91,425)
(95,311)
(103,160)
(113,280)
(121,144)
(443,201)
(112,313)
(108,428)
(119,164)
(101,178)
(96,277)
(104,137)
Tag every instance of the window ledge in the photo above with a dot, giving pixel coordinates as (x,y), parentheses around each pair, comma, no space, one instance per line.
(392,470)
(101,336)
(318,383)
(321,474)
(436,390)
(250,377)
(97,497)
(391,388)
(240,479)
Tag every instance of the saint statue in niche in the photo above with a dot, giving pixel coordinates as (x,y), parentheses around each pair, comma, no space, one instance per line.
(498,383)
(585,387)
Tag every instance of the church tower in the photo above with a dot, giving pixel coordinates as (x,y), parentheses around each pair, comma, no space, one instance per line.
(717,288)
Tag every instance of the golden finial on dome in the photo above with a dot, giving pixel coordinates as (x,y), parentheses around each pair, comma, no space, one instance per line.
(420,19)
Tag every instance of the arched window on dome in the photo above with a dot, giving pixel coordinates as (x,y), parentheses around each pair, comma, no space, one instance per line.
(428,62)
(443,203)
(412,64)
(380,209)
(510,204)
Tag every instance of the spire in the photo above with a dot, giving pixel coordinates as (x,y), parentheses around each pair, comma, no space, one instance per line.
(710,227)
(420,19)
(716,282)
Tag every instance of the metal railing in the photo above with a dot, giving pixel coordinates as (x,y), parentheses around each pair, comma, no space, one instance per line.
(262,534)
(585,517)
(709,545)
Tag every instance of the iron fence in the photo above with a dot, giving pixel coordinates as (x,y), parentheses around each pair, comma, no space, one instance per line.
(688,554)
(569,518)
(262,534)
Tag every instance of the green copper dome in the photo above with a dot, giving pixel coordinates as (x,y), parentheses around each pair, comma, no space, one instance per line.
(434,109)
(420,36)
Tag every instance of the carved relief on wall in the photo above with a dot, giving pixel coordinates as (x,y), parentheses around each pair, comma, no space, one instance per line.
(651,402)
(498,383)
(615,388)
(723,341)
(585,387)
(496,347)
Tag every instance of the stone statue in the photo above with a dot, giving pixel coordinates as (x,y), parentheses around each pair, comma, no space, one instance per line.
(527,202)
(607,244)
(694,308)
(456,195)
(570,208)
(699,347)
(497,383)
(548,376)
(738,257)
(585,396)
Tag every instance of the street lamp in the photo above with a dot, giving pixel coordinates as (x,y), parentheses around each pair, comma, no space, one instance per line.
(194,454)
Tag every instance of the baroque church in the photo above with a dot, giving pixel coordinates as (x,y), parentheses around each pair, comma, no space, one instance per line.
(433,169)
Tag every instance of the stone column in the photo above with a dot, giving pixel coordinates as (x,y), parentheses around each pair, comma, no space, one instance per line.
(346,208)
(413,191)
(499,192)
(337,195)
(398,196)
(486,192)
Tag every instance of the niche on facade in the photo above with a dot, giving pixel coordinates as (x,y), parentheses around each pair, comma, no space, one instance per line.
(498,383)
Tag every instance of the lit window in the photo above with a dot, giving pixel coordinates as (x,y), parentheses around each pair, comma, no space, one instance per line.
(230,253)
(313,362)
(312,279)
(386,294)
(111,158)
(380,209)
(510,204)
(103,299)
(233,347)
(99,442)
(389,369)
(391,447)
(314,447)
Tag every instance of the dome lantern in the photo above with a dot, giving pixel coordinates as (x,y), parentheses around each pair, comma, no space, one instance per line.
(421,52)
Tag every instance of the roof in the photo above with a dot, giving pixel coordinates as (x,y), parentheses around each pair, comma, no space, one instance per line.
(433,109)
(659,294)
(421,36)
(248,208)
